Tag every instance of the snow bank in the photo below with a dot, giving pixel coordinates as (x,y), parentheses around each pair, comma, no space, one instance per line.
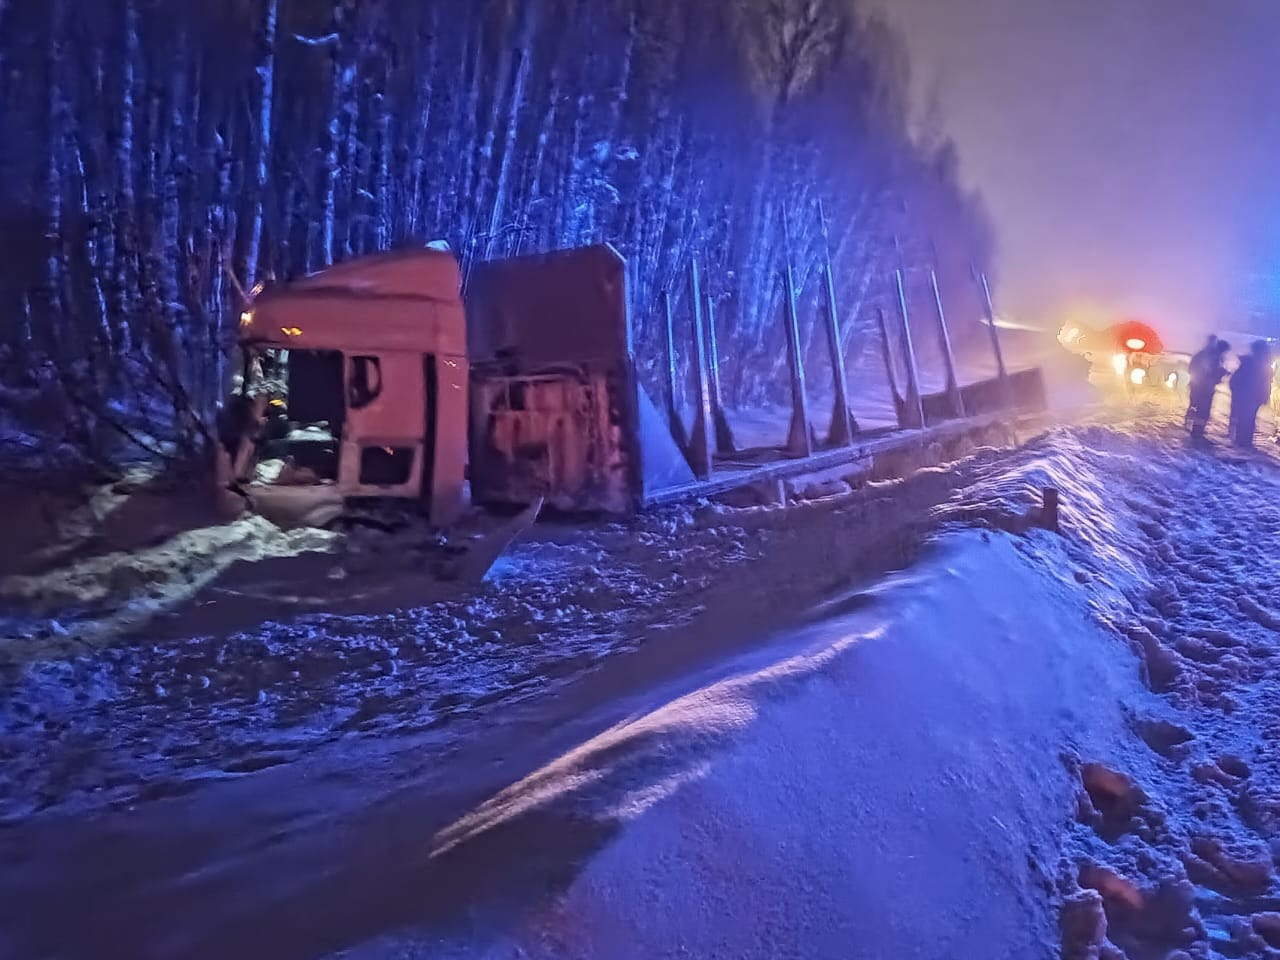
(1176,836)
(101,596)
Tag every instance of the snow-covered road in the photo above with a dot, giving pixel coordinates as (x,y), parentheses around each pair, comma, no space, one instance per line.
(775,757)
(883,783)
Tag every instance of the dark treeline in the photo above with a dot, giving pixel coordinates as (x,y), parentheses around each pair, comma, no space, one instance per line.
(154,154)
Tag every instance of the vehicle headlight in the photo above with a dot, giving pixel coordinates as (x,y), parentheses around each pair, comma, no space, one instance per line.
(1121,363)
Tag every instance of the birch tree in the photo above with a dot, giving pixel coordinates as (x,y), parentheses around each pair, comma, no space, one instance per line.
(149,148)
(266,106)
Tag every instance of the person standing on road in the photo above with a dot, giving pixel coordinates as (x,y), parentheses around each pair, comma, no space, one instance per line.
(1250,389)
(1206,372)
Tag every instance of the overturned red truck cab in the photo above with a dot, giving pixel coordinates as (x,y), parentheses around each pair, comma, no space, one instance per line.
(369,379)
(353,382)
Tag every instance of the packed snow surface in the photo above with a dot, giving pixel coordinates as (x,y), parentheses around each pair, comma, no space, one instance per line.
(857,789)
(85,722)
(1081,724)
(710,735)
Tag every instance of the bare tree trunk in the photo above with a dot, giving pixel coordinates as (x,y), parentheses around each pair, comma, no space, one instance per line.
(92,253)
(266,106)
(464,208)
(524,57)
(758,273)
(421,138)
(614,135)
(666,191)
(382,189)
(221,230)
(4,10)
(65,342)
(54,262)
(341,86)
(125,267)
(535,198)
(571,186)
(488,148)
(282,232)
(174,153)
(352,147)
(150,254)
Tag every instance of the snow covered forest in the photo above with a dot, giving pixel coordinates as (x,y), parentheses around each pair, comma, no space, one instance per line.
(157,155)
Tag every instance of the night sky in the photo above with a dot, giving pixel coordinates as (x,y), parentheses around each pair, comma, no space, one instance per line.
(1129,150)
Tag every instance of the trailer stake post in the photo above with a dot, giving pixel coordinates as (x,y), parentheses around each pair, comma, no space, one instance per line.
(675,421)
(899,405)
(1001,372)
(915,403)
(725,444)
(841,431)
(944,343)
(701,443)
(799,442)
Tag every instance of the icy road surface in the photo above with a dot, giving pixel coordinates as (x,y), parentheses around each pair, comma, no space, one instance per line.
(1023,745)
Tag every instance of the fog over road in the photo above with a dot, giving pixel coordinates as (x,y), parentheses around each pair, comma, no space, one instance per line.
(1125,150)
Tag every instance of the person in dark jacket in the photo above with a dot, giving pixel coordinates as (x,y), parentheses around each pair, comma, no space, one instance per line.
(1206,372)
(1250,389)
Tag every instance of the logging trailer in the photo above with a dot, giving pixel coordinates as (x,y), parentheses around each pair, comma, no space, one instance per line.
(370,379)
